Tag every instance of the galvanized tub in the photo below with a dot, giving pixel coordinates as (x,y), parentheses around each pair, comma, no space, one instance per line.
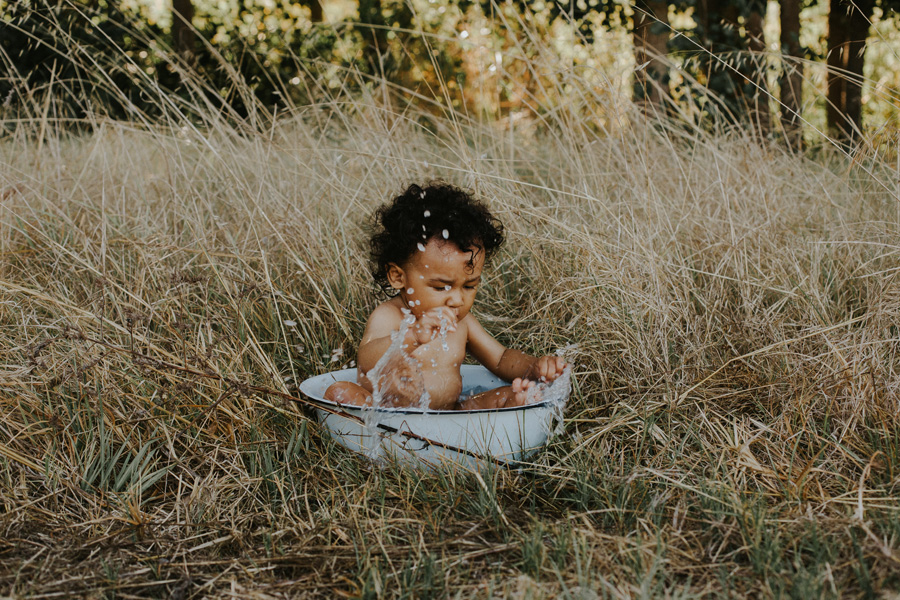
(430,437)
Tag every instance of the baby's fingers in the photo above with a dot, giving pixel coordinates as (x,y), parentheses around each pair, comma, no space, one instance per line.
(551,367)
(561,365)
(446,318)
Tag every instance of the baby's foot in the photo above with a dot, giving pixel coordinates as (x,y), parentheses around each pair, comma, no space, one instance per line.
(525,391)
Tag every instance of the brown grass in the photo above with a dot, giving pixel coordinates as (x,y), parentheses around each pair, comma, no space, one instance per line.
(732,310)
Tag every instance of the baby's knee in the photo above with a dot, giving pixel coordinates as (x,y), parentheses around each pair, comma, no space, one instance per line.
(347,392)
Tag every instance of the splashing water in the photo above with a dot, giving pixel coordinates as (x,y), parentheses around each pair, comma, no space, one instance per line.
(442,333)
(371,417)
(555,394)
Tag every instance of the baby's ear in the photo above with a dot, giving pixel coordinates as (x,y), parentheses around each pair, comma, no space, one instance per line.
(396,276)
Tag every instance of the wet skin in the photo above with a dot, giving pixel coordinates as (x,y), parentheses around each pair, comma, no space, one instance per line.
(437,286)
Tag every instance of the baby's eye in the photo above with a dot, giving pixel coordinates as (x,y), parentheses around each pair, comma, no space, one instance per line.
(470,287)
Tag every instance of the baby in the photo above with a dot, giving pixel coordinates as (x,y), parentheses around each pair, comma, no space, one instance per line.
(429,248)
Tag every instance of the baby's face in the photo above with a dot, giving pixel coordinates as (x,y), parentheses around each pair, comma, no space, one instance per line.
(439,275)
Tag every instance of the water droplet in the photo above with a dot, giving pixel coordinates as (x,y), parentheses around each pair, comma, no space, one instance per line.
(445,233)
(418,302)
(427,213)
(410,291)
(421,247)
(447,288)
(290,323)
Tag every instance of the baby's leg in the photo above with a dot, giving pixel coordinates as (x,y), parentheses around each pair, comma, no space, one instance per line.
(347,392)
(502,397)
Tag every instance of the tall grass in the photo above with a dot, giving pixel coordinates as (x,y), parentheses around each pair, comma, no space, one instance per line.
(732,310)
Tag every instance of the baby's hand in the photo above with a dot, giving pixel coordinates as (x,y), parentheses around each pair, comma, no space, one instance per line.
(547,368)
(429,325)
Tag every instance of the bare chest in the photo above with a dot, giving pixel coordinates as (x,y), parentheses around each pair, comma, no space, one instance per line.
(439,361)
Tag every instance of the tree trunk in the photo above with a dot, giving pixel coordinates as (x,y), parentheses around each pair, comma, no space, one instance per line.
(722,60)
(837,38)
(183,36)
(373,33)
(758,89)
(791,74)
(858,30)
(651,35)
(315,11)
(848,27)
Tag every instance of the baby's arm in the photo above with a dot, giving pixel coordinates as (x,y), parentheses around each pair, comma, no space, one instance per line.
(507,363)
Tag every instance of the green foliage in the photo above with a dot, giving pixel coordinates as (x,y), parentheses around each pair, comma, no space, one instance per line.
(89,58)
(80,55)
(717,54)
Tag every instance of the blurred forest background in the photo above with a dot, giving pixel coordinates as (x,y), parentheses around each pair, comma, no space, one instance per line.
(791,70)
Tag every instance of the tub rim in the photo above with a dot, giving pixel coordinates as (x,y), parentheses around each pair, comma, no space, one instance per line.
(407,410)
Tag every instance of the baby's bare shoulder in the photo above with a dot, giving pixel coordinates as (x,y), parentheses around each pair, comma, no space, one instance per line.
(389,310)
(384,319)
(470,323)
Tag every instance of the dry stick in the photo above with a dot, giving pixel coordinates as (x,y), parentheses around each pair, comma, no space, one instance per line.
(153,362)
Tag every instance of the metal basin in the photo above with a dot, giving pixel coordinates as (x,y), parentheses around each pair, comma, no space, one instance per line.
(435,437)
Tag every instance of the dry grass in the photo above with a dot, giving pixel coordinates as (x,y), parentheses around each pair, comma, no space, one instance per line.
(733,311)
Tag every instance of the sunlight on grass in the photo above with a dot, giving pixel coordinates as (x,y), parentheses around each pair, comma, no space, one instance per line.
(732,310)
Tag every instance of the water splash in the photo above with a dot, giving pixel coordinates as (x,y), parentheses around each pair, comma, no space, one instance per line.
(371,414)
(555,394)
(442,333)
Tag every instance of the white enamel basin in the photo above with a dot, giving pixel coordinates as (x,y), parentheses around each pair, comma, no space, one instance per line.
(461,437)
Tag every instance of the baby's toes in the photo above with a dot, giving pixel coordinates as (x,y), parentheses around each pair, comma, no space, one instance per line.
(533,392)
(522,391)
(520,397)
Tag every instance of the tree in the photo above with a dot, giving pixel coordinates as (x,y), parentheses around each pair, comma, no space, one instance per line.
(650,33)
(848,28)
(315,11)
(791,74)
(731,63)
(183,36)
(754,68)
(373,30)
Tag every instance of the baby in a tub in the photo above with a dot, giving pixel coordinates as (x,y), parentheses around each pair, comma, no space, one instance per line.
(429,247)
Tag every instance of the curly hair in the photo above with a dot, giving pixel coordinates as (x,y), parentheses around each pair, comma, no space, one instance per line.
(420,213)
